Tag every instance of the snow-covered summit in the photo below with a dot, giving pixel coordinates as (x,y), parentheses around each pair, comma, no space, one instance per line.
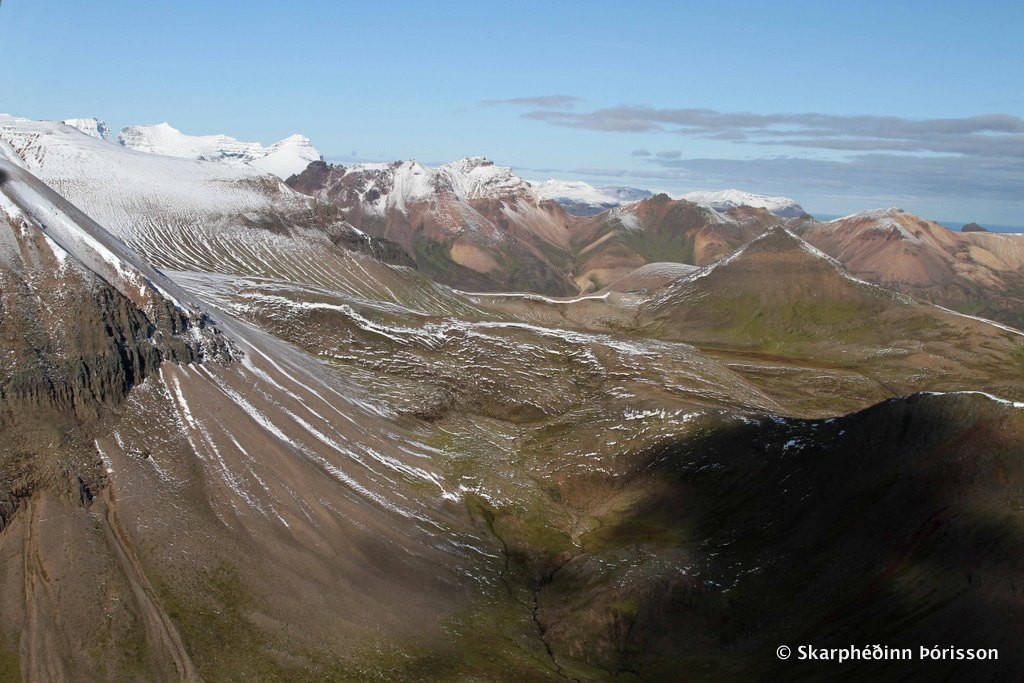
(478,177)
(890,212)
(287,157)
(583,199)
(283,158)
(405,182)
(93,127)
(723,200)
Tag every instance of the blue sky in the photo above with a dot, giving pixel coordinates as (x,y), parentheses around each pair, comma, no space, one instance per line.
(843,106)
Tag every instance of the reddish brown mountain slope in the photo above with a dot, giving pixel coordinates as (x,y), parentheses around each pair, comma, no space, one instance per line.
(980,273)
(469,224)
(611,245)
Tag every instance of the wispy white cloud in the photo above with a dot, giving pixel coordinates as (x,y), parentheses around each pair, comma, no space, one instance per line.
(541,101)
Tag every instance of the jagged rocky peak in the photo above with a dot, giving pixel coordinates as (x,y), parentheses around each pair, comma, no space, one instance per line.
(469,223)
(93,127)
(401,183)
(469,163)
(478,177)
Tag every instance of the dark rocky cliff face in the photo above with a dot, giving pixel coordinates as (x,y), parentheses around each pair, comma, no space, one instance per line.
(72,347)
(83,355)
(345,236)
(973,227)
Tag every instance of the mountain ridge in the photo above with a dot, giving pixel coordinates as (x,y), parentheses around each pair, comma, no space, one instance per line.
(723,200)
(283,158)
(980,273)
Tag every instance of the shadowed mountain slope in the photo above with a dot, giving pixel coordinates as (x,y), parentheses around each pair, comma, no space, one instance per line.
(887,526)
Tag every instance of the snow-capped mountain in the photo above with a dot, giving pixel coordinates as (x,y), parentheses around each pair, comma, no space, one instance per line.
(723,200)
(468,223)
(93,127)
(283,158)
(287,157)
(401,183)
(478,178)
(583,199)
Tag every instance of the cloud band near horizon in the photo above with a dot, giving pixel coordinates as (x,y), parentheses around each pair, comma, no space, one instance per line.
(989,135)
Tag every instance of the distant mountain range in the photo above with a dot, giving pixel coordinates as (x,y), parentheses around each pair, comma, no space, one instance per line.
(955,226)
(723,200)
(479,227)
(283,158)
(583,199)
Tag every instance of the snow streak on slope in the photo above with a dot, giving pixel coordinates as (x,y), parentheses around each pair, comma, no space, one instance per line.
(481,362)
(313,431)
(286,441)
